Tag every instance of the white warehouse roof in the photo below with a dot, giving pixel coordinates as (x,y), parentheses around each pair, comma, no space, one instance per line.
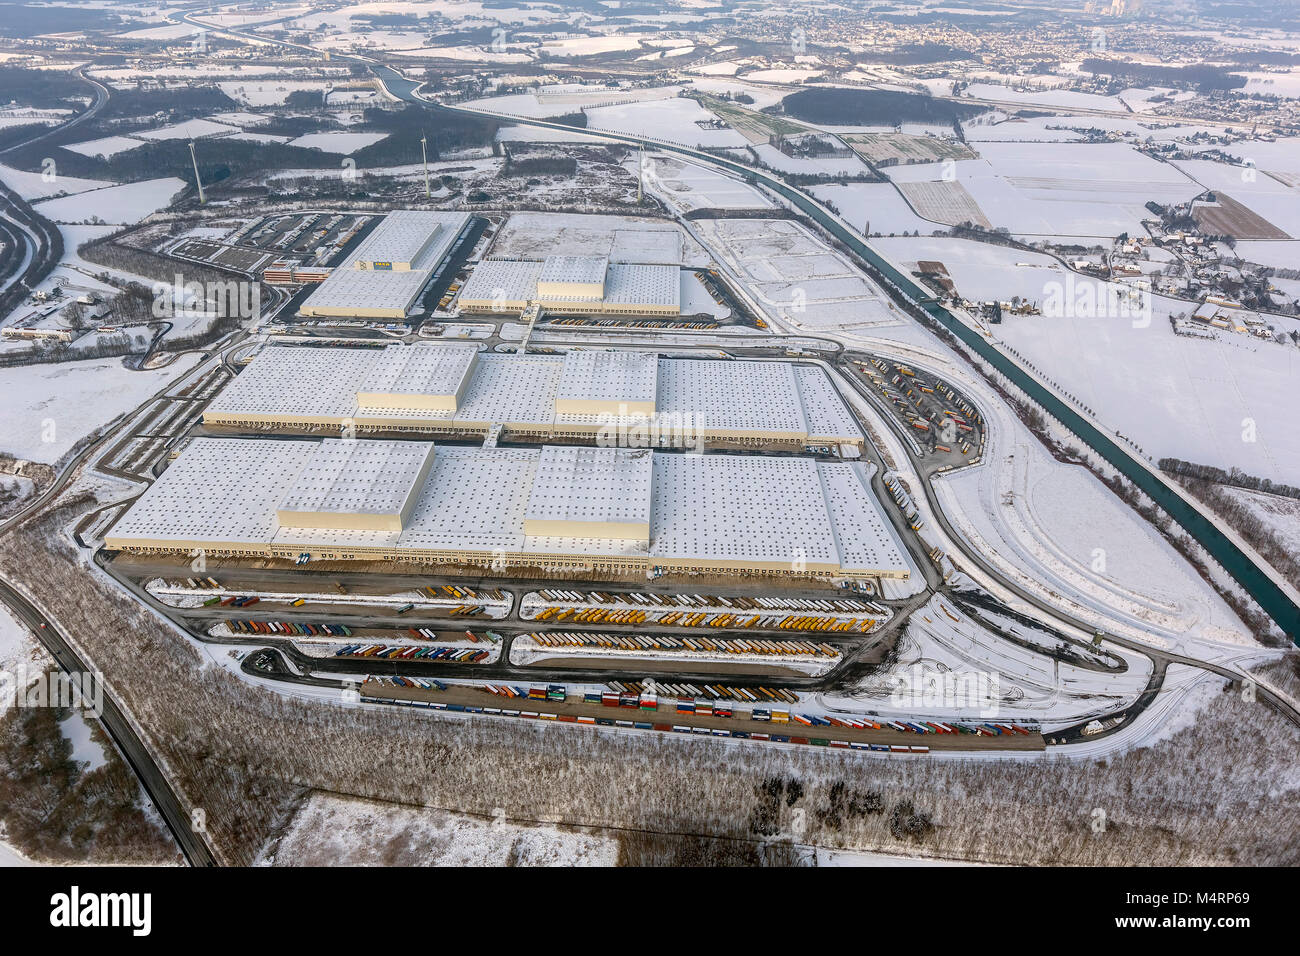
(362,479)
(503,284)
(740,397)
(591,486)
(729,510)
(375,279)
(582,269)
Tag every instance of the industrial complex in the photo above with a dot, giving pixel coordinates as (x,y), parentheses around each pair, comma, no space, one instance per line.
(576,284)
(457,391)
(560,508)
(385,274)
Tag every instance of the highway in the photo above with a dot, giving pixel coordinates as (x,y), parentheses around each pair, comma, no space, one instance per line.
(119,728)
(36,242)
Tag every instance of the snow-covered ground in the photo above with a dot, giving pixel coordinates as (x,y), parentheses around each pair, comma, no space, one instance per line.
(831,165)
(341,143)
(124,204)
(190,129)
(675,120)
(1205,400)
(43,185)
(950,666)
(1060,189)
(332,830)
(795,275)
(85,749)
(17,647)
(1274,201)
(689,186)
(272,92)
(1065,98)
(50,407)
(105,147)
(1281,515)
(875,206)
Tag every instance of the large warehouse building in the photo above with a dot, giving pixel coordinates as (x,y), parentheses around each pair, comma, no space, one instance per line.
(384,275)
(456,391)
(573,284)
(558,507)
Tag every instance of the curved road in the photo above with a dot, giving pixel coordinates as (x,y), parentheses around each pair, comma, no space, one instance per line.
(119,728)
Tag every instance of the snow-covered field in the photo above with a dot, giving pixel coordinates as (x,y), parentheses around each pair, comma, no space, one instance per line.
(589,46)
(50,407)
(1063,98)
(1280,514)
(1262,194)
(796,276)
(569,98)
(267,92)
(105,147)
(674,120)
(1061,189)
(831,165)
(124,204)
(689,186)
(1206,400)
(41,186)
(341,143)
(332,830)
(875,206)
(190,129)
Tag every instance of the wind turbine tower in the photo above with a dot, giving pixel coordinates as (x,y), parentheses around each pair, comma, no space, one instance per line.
(197,180)
(424,153)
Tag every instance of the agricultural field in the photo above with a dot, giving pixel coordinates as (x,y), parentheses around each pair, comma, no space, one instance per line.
(890,148)
(945,202)
(1061,190)
(756,127)
(1227,217)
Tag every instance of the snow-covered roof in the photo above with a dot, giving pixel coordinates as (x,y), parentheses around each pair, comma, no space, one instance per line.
(729,510)
(626,286)
(609,377)
(710,395)
(725,394)
(367,282)
(863,535)
(829,419)
(409,372)
(342,478)
(582,269)
(591,486)
(740,508)
(217,490)
(400,238)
